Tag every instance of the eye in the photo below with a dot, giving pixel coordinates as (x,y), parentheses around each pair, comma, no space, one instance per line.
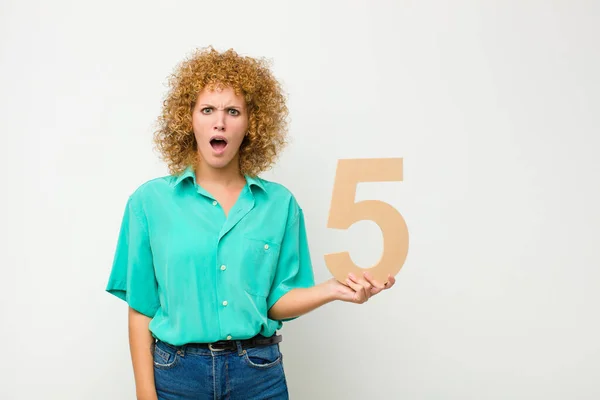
(206,110)
(233,111)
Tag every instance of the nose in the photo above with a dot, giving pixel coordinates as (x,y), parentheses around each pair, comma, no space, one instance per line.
(219,122)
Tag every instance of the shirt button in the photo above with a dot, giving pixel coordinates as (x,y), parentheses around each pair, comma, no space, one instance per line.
(225,303)
(228,337)
(214,203)
(223,268)
(266,247)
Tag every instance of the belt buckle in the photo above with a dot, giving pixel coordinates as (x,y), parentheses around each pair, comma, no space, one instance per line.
(212,348)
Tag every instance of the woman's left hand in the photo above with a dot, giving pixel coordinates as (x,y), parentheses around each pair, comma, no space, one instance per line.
(359,289)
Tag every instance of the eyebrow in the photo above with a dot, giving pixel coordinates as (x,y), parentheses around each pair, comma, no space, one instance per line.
(210,105)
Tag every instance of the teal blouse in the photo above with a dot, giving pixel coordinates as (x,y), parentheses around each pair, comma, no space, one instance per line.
(202,276)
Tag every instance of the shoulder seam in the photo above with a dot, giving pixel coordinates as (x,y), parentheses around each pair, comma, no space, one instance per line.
(135,211)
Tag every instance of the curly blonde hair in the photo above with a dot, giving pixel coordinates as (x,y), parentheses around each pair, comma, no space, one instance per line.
(250,77)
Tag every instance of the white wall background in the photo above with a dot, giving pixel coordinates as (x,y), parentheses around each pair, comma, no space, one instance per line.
(493,105)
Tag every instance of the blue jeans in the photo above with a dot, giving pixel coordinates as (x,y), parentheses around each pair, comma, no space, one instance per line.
(185,372)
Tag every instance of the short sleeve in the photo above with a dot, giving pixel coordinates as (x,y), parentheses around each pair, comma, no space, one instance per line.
(132,277)
(294,268)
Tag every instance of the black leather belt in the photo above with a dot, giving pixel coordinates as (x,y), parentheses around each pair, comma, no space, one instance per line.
(256,341)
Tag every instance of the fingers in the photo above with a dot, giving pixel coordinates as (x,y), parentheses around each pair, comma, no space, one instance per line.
(366,287)
(376,285)
(391,281)
(361,288)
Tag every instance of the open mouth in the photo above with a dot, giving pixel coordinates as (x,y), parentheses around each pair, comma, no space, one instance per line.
(218,143)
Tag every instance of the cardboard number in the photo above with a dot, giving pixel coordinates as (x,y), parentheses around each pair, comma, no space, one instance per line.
(345,211)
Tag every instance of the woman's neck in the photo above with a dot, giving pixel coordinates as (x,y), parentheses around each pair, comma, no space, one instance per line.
(224,177)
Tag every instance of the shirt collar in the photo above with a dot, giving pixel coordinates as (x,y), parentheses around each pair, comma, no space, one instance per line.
(255,181)
(189,173)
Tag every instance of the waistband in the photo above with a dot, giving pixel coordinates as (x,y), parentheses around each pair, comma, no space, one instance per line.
(232,345)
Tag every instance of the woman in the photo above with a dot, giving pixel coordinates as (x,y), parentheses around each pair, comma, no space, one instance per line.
(212,259)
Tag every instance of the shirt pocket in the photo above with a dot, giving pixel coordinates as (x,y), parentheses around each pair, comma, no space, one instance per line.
(259,265)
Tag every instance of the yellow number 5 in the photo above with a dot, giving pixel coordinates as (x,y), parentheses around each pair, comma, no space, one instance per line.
(344,212)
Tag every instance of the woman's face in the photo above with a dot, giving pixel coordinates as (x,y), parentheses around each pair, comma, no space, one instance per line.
(220,122)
